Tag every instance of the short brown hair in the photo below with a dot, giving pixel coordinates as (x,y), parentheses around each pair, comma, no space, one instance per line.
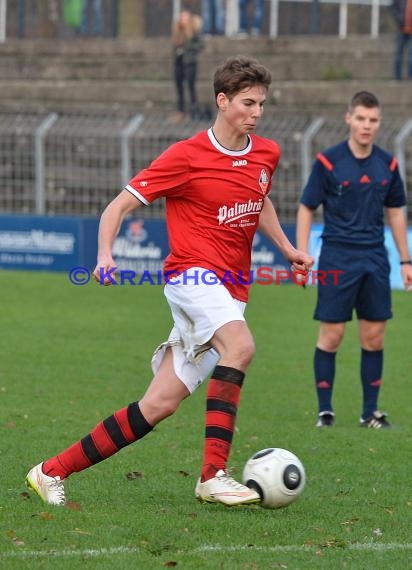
(238,73)
(364,99)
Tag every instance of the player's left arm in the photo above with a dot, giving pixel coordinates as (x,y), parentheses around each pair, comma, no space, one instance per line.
(269,225)
(397,222)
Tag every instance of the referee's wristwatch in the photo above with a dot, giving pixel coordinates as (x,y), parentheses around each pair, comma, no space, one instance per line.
(406,262)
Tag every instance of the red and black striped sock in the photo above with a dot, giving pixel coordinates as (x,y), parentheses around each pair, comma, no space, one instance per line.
(107,438)
(223,396)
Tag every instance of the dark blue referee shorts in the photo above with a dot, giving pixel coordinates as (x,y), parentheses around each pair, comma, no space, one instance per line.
(363,284)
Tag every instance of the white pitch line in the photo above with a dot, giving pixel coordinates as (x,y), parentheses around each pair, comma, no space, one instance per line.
(306,548)
(97,552)
(92,552)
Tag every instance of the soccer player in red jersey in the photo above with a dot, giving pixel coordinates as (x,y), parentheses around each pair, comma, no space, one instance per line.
(216,186)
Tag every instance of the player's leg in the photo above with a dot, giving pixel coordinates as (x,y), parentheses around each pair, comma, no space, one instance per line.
(329,338)
(373,308)
(234,342)
(371,335)
(335,302)
(205,315)
(122,428)
(164,394)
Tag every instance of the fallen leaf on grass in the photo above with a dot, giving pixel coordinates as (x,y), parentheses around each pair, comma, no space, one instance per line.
(73,505)
(135,475)
(170,563)
(25,495)
(15,540)
(334,543)
(46,516)
(351,521)
(320,553)
(184,473)
(79,531)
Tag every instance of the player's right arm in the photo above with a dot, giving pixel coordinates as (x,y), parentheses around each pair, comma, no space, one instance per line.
(312,196)
(303,227)
(109,226)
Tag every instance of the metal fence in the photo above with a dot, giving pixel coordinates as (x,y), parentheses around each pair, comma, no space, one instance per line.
(75,164)
(132,18)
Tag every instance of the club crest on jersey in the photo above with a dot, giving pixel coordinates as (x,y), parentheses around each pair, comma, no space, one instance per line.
(263,181)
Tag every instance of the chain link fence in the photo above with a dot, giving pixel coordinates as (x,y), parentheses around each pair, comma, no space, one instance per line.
(75,164)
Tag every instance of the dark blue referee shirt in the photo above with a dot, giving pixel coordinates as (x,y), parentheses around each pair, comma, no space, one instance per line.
(354,192)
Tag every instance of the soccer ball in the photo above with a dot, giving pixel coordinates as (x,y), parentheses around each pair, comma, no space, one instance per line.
(277,475)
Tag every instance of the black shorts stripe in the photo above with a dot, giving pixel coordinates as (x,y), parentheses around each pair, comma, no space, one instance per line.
(228,374)
(215,432)
(213,405)
(90,450)
(140,427)
(114,432)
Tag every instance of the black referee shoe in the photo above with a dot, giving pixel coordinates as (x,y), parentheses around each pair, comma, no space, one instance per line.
(325,419)
(376,421)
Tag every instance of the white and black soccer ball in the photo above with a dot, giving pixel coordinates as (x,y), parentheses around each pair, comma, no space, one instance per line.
(277,475)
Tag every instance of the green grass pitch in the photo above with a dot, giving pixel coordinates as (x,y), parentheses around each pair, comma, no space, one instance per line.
(70,356)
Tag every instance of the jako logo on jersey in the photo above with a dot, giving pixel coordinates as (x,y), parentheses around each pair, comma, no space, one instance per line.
(143,183)
(226,214)
(263,181)
(239,163)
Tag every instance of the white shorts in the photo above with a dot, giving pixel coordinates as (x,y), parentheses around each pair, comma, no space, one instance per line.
(199,309)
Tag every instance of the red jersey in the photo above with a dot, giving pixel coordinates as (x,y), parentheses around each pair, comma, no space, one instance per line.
(213,200)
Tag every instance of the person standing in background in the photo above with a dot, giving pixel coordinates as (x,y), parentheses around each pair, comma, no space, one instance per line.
(402,12)
(92,18)
(256,19)
(358,184)
(187,43)
(214,17)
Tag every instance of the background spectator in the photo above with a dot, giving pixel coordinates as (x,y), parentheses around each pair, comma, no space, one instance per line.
(255,26)
(92,18)
(402,11)
(214,16)
(187,43)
